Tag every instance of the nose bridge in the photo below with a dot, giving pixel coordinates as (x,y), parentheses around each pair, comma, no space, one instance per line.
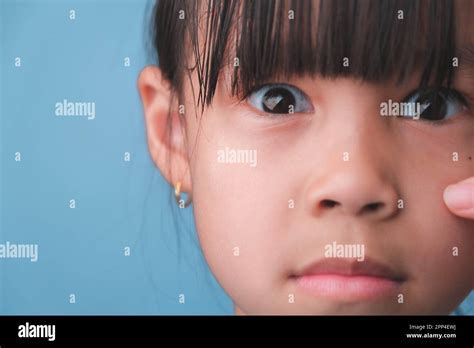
(355,119)
(357,180)
(360,136)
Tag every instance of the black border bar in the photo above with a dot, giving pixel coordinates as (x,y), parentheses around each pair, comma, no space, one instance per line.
(347,330)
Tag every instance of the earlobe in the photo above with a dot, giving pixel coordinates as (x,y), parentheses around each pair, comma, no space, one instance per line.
(165,134)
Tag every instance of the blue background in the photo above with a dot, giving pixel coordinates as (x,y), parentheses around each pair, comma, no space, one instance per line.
(118,204)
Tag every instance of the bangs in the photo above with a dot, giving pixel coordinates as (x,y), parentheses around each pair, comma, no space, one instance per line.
(260,41)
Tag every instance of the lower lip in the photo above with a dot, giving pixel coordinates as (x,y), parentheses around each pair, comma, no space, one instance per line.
(343,287)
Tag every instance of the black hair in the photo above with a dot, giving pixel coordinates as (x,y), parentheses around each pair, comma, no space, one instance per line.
(383,39)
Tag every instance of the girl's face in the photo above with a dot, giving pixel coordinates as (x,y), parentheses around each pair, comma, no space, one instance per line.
(332,209)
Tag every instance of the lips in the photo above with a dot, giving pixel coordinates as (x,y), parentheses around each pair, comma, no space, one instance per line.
(343,279)
(345,267)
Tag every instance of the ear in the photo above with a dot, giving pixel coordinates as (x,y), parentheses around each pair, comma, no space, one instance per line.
(165,130)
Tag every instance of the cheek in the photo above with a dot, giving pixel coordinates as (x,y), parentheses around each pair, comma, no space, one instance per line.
(445,150)
(441,244)
(241,215)
(438,245)
(234,208)
(442,249)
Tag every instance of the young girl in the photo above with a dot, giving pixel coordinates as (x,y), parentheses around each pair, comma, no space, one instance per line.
(315,140)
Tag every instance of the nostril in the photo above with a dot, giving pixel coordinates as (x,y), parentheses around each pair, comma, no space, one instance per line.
(328,203)
(373,207)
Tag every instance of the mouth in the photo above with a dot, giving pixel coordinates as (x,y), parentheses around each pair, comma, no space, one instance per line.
(348,280)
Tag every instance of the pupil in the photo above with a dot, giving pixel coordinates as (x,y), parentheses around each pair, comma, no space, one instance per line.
(437,108)
(278,100)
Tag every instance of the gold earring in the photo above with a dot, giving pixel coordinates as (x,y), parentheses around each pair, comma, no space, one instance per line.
(177,195)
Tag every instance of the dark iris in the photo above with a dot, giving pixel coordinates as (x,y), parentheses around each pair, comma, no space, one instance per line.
(437,104)
(278,100)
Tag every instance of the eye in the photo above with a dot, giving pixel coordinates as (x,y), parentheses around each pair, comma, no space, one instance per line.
(437,104)
(280,99)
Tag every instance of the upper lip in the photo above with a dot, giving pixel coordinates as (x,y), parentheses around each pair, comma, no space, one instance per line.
(345,267)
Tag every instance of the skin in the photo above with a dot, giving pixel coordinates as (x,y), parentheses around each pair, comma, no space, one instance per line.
(300,158)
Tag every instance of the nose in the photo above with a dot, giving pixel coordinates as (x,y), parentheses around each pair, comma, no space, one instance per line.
(364,183)
(355,189)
